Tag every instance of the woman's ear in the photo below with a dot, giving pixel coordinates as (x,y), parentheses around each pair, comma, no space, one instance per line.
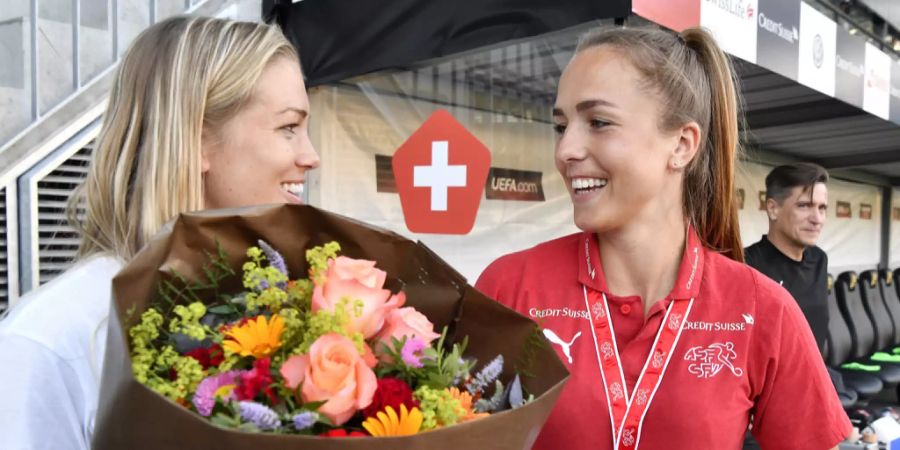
(686,147)
(208,145)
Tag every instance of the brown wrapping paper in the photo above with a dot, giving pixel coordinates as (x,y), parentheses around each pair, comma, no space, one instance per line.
(131,416)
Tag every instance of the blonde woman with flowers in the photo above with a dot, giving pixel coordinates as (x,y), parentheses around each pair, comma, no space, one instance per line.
(203,113)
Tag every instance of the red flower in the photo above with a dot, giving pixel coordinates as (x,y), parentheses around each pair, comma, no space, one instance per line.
(208,357)
(390,392)
(216,355)
(340,432)
(256,380)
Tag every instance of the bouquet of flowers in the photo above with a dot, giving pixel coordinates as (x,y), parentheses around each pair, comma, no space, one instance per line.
(214,343)
(334,354)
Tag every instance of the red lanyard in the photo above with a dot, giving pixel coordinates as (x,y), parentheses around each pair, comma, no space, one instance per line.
(627,411)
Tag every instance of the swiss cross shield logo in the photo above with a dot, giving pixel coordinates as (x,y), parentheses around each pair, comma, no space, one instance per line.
(440,172)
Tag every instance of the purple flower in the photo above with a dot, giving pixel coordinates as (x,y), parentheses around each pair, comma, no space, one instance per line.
(260,415)
(410,351)
(275,260)
(488,374)
(305,420)
(205,397)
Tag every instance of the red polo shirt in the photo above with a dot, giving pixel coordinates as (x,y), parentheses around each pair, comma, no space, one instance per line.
(745,349)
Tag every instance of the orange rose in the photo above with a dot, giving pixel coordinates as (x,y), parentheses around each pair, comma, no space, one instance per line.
(334,372)
(361,270)
(405,322)
(356,280)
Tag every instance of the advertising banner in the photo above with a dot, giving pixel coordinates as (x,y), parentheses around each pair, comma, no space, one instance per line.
(733,23)
(778,36)
(876,91)
(850,65)
(818,39)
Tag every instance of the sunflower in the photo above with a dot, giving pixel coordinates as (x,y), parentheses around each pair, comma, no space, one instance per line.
(386,423)
(258,337)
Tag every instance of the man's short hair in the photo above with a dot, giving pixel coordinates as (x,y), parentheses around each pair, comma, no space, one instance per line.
(783,179)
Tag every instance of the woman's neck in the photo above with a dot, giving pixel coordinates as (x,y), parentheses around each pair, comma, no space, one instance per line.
(643,258)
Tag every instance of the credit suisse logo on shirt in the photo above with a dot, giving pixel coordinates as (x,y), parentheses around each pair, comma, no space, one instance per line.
(558,312)
(715,326)
(699,325)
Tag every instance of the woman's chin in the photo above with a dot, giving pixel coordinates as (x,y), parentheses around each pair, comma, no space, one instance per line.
(589,224)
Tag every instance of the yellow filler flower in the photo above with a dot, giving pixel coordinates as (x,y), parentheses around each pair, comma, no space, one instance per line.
(388,424)
(258,337)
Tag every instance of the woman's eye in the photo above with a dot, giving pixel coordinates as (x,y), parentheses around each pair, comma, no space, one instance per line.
(292,128)
(597,123)
(559,128)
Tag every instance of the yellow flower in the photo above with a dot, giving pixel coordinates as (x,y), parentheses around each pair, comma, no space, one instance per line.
(465,401)
(388,424)
(259,337)
(224,391)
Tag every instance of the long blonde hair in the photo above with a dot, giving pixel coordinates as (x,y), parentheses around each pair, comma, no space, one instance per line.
(179,77)
(696,83)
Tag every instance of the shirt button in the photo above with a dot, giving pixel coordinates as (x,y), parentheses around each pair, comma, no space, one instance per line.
(625,309)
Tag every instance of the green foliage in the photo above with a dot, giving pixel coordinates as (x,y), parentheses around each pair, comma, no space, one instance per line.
(535,341)
(438,407)
(441,368)
(318,257)
(184,291)
(446,368)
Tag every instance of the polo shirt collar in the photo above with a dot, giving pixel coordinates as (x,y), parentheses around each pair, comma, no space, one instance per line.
(690,271)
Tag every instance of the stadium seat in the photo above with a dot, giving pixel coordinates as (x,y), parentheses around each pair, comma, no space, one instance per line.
(839,344)
(895,280)
(886,336)
(862,332)
(891,300)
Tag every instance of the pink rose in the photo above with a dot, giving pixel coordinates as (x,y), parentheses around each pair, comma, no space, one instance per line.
(405,322)
(357,280)
(334,372)
(360,270)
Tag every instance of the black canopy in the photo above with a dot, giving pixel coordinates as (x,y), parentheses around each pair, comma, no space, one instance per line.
(338,39)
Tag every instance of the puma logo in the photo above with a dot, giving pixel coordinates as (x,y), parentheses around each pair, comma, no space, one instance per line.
(566,346)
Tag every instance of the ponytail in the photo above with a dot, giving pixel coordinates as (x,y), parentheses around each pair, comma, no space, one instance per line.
(696,82)
(709,197)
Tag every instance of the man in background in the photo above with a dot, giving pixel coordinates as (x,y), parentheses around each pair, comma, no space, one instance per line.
(796,203)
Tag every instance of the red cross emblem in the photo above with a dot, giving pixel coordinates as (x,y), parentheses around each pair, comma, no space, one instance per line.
(440,173)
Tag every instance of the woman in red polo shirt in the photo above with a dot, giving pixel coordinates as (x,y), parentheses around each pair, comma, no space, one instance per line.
(672,342)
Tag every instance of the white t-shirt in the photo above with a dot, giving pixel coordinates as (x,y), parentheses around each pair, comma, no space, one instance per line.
(52,345)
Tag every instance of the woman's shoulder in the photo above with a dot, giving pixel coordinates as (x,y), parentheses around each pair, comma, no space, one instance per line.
(57,313)
(740,284)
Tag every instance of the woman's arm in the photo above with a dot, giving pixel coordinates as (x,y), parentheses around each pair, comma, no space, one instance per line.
(43,405)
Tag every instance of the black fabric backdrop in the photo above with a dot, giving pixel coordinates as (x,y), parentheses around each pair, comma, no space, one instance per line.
(338,39)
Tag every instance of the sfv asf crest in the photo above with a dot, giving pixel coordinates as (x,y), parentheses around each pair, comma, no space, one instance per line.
(709,361)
